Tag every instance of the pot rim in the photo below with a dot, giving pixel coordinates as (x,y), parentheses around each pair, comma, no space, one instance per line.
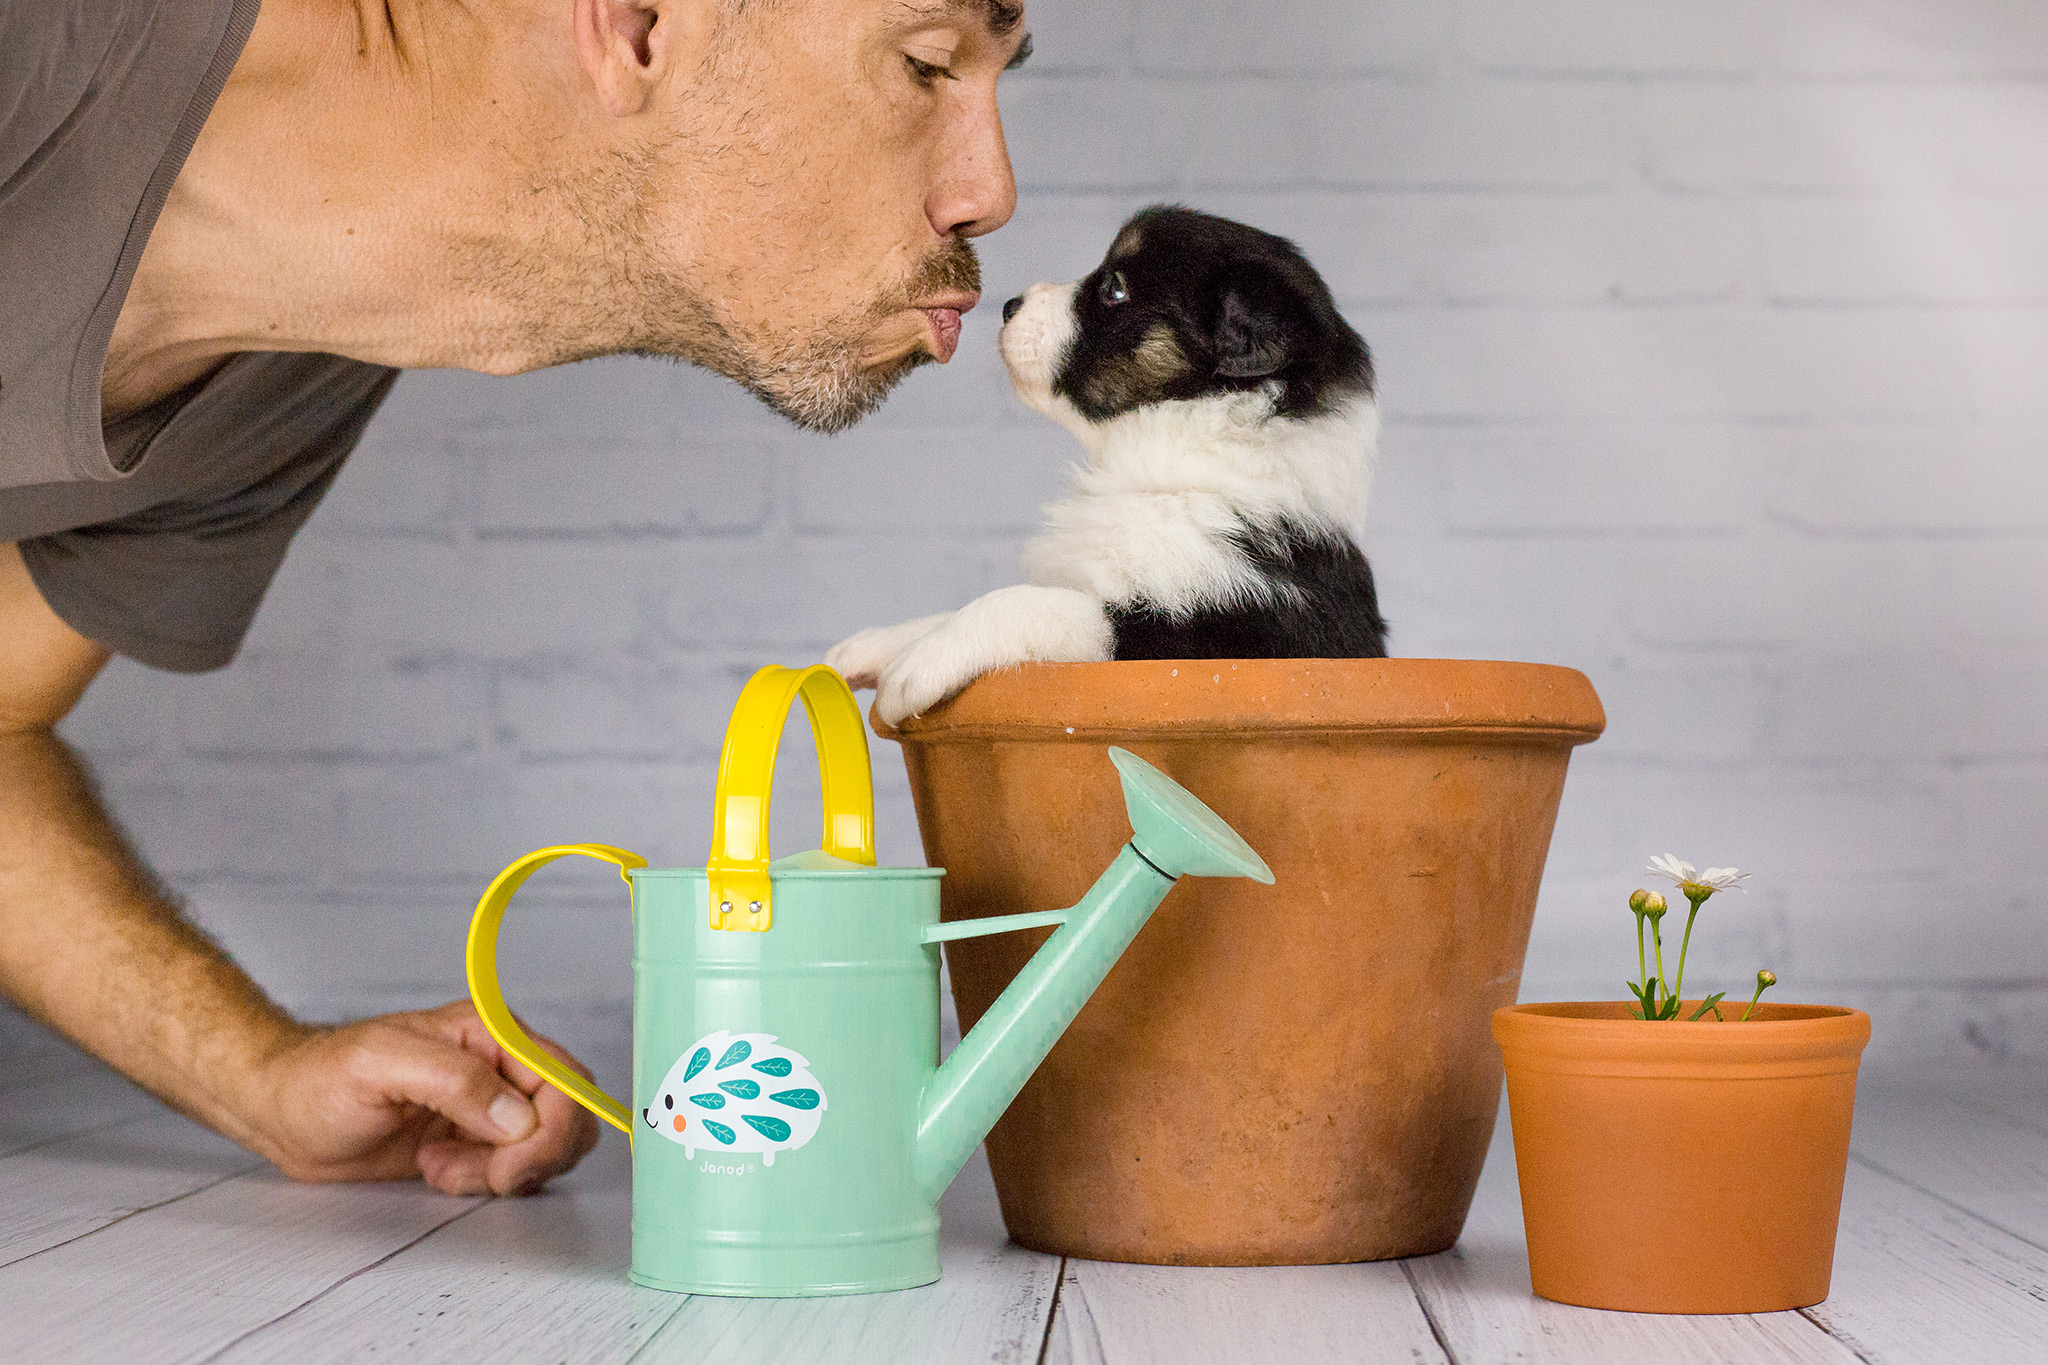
(1598,1037)
(1092,702)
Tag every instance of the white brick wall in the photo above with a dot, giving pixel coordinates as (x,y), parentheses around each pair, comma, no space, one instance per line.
(1714,347)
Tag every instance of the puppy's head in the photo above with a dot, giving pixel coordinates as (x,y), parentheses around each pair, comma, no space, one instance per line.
(1185,306)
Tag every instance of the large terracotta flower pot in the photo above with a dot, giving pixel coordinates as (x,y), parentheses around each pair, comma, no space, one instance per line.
(1291,1074)
(1641,1144)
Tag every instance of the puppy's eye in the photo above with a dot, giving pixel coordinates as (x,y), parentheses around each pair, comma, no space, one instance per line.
(668,1101)
(1113,290)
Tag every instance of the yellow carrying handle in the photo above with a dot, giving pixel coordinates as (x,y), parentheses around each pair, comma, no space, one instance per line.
(482,956)
(738,865)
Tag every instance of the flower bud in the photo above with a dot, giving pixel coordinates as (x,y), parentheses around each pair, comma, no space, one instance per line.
(1654,905)
(1766,979)
(1637,899)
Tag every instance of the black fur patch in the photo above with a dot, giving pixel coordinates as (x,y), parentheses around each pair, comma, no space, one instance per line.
(1318,603)
(1242,309)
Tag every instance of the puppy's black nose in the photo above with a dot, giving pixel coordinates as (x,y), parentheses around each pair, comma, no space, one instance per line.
(1010,308)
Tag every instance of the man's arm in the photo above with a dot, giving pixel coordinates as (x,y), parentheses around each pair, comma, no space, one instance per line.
(93,945)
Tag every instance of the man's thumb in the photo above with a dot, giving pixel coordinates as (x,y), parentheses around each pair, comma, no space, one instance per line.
(513,1115)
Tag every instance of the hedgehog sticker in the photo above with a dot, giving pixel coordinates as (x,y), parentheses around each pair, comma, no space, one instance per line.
(738,1093)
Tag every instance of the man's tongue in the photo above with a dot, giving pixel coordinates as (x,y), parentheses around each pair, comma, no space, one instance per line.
(946,326)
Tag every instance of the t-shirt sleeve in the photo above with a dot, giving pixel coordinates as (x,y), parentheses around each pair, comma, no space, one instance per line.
(177,585)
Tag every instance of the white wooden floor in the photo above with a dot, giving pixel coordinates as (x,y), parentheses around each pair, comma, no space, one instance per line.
(129,1234)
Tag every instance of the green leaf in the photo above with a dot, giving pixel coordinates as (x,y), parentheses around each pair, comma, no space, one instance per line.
(1636,1011)
(1670,1010)
(1706,1005)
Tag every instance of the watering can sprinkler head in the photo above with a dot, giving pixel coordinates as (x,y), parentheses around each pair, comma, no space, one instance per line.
(1173,835)
(1177,834)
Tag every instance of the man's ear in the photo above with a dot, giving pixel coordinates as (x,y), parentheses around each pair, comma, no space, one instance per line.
(1251,326)
(628,47)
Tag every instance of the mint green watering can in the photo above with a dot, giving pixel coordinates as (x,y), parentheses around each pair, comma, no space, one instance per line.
(792,1126)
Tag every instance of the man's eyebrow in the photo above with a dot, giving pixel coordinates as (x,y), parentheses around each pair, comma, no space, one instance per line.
(1001,16)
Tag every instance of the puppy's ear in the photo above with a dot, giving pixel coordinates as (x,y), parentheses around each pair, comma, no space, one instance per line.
(1252,325)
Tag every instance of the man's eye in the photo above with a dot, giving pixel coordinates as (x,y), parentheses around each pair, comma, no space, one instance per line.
(926,72)
(1113,291)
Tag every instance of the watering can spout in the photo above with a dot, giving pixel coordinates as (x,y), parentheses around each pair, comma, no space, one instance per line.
(1173,835)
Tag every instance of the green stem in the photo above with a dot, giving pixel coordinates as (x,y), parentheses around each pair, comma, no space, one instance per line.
(1678,987)
(1659,930)
(1642,964)
(1752,1003)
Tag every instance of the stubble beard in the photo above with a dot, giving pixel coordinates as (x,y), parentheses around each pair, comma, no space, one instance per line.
(822,381)
(628,300)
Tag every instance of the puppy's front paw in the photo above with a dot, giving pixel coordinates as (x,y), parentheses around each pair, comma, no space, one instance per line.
(861,658)
(1008,626)
(930,670)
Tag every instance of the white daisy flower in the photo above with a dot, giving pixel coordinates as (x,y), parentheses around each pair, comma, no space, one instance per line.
(1669,865)
(1690,878)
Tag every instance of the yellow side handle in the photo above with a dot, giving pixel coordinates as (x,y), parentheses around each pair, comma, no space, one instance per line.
(482,956)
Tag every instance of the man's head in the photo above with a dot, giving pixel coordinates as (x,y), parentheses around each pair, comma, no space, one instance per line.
(787,187)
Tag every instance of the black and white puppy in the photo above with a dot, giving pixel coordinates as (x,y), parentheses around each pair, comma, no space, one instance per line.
(1228,416)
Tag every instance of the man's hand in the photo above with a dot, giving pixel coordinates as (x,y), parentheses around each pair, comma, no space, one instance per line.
(428,1094)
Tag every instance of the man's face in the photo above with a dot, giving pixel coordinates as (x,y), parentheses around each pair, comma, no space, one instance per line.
(834,158)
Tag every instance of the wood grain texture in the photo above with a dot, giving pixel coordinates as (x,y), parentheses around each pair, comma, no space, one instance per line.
(1112,1314)
(29,1052)
(65,1189)
(991,1305)
(1478,1298)
(1920,1282)
(186,1279)
(2015,1090)
(518,1279)
(55,1107)
(149,1238)
(1982,1163)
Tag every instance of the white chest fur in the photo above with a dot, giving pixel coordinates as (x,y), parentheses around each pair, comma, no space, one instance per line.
(1151,513)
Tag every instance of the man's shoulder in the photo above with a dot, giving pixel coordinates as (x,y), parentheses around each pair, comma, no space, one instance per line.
(57,56)
(99,102)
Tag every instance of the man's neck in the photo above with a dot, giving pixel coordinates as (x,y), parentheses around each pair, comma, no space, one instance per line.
(360,188)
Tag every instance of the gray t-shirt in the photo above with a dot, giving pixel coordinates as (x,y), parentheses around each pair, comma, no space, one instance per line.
(156,534)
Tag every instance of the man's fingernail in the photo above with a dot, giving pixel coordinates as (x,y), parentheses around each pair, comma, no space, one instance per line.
(514,1117)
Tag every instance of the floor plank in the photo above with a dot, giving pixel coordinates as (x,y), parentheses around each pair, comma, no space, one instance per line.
(1111,1314)
(1919,1282)
(126,1231)
(2015,1089)
(518,1279)
(1980,1162)
(52,1108)
(29,1052)
(1478,1298)
(182,1281)
(991,1305)
(53,1193)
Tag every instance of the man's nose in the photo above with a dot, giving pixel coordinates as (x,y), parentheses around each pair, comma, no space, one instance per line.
(1010,308)
(977,192)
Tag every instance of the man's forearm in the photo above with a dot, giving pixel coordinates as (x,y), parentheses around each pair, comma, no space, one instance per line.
(91,944)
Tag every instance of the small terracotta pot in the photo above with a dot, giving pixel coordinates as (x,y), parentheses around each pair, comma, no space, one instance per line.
(1292,1074)
(1638,1144)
